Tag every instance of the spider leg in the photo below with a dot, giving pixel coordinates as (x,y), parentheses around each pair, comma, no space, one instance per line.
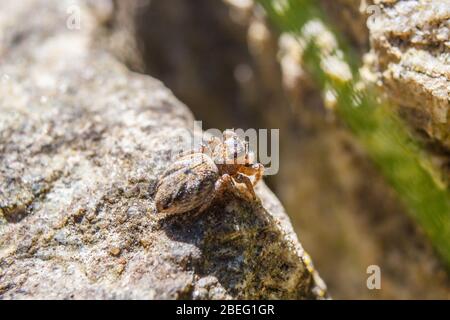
(203,148)
(249,191)
(235,149)
(222,183)
(247,160)
(213,142)
(259,168)
(223,154)
(256,170)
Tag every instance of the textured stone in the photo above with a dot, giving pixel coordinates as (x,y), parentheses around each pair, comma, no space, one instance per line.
(345,212)
(83,141)
(410,59)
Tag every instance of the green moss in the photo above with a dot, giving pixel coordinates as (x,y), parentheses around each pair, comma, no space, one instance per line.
(383,135)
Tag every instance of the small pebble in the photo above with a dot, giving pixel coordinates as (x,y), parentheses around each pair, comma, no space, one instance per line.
(114,251)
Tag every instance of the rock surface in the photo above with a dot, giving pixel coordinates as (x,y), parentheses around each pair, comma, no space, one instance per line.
(324,174)
(412,43)
(408,57)
(83,141)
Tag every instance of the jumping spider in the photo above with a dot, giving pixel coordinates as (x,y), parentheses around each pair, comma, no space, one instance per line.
(195,179)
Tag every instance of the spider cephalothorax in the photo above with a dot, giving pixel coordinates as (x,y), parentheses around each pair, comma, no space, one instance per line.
(195,179)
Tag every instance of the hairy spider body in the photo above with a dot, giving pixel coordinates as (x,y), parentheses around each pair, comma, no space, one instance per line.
(187,184)
(194,180)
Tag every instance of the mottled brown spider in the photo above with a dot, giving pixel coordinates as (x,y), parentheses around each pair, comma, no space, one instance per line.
(195,179)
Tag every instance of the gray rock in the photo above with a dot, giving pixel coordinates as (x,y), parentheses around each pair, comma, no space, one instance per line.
(83,141)
(411,45)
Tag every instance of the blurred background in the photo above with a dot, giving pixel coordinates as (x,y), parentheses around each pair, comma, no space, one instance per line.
(236,64)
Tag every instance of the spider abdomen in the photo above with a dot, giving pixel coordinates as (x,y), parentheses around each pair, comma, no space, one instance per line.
(187,184)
